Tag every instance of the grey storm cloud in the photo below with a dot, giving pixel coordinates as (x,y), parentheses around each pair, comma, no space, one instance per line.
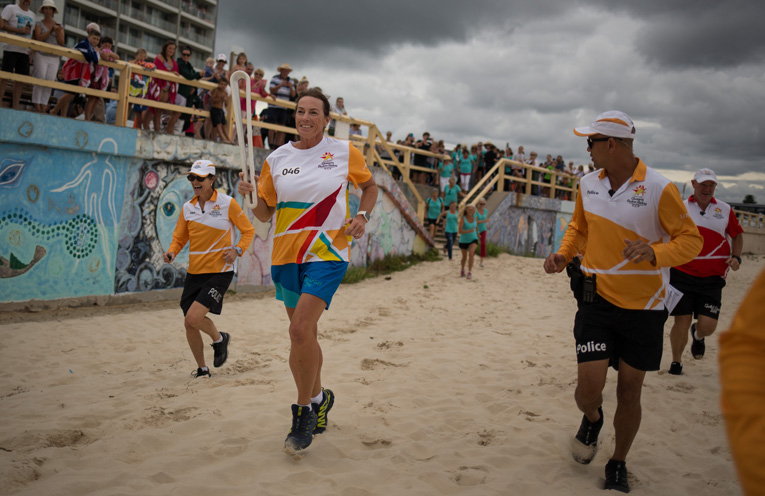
(690,73)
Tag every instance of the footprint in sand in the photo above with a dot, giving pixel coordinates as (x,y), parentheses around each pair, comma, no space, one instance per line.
(387,345)
(375,364)
(469,476)
(486,437)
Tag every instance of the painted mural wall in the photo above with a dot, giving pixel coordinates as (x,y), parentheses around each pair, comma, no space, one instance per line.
(529,225)
(88,209)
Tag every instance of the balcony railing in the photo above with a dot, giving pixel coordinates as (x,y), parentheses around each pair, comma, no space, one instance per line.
(198,12)
(140,15)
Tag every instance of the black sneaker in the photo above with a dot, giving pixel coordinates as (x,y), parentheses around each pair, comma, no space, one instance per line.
(586,440)
(201,373)
(676,368)
(221,349)
(303,424)
(616,476)
(697,347)
(322,409)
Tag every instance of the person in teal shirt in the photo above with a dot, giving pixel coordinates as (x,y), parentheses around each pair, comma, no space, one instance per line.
(452,192)
(450,228)
(435,205)
(445,170)
(468,232)
(466,166)
(480,214)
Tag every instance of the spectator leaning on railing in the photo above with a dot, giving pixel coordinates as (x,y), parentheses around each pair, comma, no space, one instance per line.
(161,90)
(18,20)
(46,65)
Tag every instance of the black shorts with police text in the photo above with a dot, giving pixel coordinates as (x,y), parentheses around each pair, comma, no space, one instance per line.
(207,289)
(604,331)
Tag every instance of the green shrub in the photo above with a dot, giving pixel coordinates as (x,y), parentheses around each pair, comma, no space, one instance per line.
(493,250)
(388,264)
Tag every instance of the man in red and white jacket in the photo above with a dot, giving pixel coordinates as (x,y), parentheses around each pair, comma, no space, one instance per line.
(701,280)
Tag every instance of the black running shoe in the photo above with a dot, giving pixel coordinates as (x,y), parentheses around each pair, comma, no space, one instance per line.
(616,476)
(676,368)
(303,424)
(586,440)
(697,347)
(221,349)
(322,409)
(201,373)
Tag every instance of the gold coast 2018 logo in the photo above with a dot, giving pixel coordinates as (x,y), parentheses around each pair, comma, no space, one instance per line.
(638,197)
(326,161)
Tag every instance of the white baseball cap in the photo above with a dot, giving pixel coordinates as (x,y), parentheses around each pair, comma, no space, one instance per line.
(202,168)
(612,123)
(221,56)
(705,175)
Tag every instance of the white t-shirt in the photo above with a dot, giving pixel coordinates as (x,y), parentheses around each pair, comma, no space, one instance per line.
(17,17)
(309,189)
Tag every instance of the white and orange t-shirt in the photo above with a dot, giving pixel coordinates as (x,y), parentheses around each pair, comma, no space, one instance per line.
(210,231)
(646,207)
(716,224)
(309,189)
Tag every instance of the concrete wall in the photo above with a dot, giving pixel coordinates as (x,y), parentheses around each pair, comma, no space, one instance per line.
(88,209)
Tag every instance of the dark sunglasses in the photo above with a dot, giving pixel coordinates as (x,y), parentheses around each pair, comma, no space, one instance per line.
(192,178)
(186,54)
(590,141)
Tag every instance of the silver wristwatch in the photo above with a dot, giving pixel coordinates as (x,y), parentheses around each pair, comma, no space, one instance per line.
(238,250)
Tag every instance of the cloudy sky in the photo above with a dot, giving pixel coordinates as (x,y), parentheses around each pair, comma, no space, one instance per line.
(691,74)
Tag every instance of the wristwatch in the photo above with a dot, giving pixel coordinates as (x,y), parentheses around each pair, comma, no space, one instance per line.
(238,250)
(364,213)
(737,258)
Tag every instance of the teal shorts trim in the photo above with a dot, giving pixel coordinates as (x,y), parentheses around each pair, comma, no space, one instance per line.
(320,279)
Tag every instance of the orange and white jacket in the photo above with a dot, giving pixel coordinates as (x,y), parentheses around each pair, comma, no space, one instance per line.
(646,207)
(211,231)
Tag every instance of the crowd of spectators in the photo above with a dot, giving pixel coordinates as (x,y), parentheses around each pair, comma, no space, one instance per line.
(466,165)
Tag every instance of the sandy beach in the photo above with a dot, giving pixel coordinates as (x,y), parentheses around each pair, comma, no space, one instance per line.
(443,385)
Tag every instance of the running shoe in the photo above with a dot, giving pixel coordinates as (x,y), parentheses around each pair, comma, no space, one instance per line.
(616,476)
(586,444)
(221,349)
(697,347)
(462,273)
(201,373)
(470,275)
(303,424)
(676,368)
(322,409)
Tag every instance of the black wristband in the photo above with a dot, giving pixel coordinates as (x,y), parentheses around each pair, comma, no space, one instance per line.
(737,258)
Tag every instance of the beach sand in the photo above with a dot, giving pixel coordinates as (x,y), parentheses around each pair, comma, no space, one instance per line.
(443,385)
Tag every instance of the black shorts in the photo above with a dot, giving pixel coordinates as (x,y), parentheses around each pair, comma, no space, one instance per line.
(701,295)
(604,331)
(278,115)
(218,116)
(16,62)
(207,289)
(466,246)
(431,222)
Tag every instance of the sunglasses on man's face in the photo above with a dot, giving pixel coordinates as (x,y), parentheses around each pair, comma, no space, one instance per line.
(192,178)
(186,54)
(590,141)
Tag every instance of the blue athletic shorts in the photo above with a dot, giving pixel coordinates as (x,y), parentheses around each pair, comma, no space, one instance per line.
(320,279)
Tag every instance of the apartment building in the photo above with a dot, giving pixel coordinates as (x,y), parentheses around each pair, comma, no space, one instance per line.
(148,24)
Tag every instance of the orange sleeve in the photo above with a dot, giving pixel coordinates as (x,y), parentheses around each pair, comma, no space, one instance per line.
(358,172)
(266,185)
(686,241)
(240,220)
(742,355)
(576,234)
(180,234)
